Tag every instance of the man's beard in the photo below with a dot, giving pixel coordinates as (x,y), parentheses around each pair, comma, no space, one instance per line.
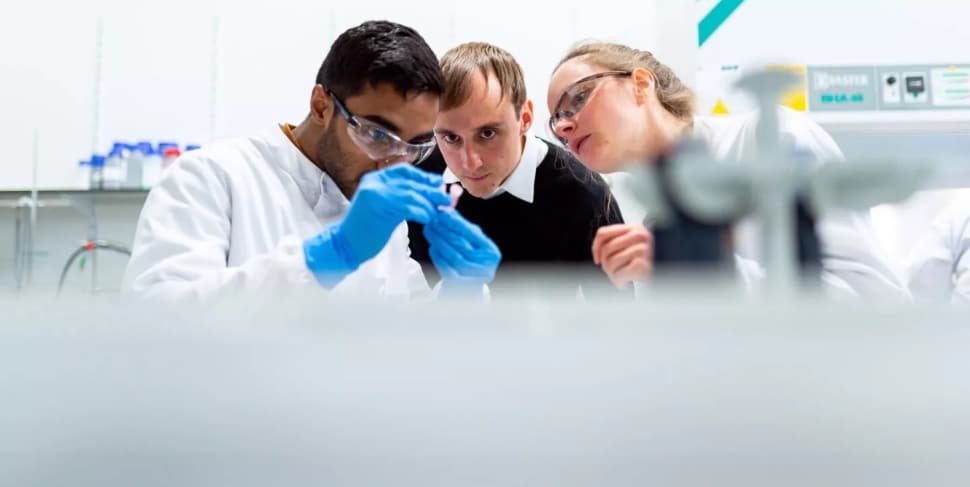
(336,162)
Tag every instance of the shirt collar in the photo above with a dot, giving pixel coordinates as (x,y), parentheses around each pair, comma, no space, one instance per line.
(522,182)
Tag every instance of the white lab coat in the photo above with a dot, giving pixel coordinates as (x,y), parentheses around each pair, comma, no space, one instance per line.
(231,218)
(853,261)
(938,267)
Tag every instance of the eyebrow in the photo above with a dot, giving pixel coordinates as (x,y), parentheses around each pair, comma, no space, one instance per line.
(389,125)
(383,122)
(422,138)
(490,125)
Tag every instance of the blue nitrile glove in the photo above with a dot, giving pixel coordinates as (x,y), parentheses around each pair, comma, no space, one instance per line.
(462,253)
(384,199)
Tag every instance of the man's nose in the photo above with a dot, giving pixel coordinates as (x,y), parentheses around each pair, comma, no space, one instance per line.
(470,159)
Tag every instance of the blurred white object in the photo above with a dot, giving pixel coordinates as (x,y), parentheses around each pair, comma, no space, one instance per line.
(938,267)
(699,393)
(232,217)
(169,156)
(784,153)
(151,166)
(850,251)
(455,192)
(83,175)
(115,170)
(135,162)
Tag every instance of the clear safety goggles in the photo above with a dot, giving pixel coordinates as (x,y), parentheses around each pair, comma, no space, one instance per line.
(380,143)
(575,96)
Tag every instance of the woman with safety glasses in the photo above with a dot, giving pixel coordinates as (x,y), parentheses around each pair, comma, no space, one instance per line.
(613,105)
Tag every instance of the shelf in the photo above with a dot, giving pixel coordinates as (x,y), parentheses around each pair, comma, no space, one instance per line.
(53,198)
(27,192)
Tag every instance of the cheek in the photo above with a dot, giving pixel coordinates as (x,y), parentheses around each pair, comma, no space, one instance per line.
(338,144)
(501,154)
(593,119)
(352,162)
(611,125)
(454,157)
(490,152)
(449,151)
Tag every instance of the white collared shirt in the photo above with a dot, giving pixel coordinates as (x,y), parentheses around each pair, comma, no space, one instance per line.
(522,182)
(231,218)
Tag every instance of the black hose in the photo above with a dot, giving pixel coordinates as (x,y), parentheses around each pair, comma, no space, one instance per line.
(89,247)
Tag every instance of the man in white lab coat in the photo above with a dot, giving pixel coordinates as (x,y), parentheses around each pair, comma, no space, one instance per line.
(938,268)
(319,207)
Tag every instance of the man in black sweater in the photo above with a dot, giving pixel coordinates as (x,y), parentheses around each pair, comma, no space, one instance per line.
(538,203)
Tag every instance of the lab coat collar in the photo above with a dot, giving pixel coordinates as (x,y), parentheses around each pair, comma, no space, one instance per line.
(315,185)
(521,183)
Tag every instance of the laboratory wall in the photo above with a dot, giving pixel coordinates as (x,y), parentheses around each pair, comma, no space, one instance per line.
(832,33)
(841,33)
(86,80)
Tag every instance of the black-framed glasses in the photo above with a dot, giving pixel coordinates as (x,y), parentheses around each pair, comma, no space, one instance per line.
(378,142)
(575,96)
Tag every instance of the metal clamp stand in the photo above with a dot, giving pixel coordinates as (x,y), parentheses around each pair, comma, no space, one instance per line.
(24,242)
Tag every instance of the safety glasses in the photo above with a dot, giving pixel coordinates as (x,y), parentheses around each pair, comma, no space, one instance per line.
(575,96)
(378,142)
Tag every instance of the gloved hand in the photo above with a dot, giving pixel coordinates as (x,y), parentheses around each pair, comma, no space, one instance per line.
(384,199)
(462,253)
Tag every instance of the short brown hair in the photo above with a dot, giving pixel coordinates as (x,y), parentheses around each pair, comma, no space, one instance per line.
(673,94)
(460,63)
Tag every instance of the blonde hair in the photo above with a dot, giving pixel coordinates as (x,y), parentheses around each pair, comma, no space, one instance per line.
(672,93)
(460,63)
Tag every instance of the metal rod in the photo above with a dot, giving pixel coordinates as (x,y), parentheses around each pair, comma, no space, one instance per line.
(93,236)
(18,248)
(29,249)
(214,62)
(96,137)
(98,76)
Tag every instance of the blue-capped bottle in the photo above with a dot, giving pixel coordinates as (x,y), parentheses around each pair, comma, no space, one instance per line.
(97,172)
(116,167)
(132,167)
(163,146)
(83,175)
(169,151)
(151,166)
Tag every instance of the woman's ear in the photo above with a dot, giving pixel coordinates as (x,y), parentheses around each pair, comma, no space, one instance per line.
(527,116)
(643,84)
(321,106)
